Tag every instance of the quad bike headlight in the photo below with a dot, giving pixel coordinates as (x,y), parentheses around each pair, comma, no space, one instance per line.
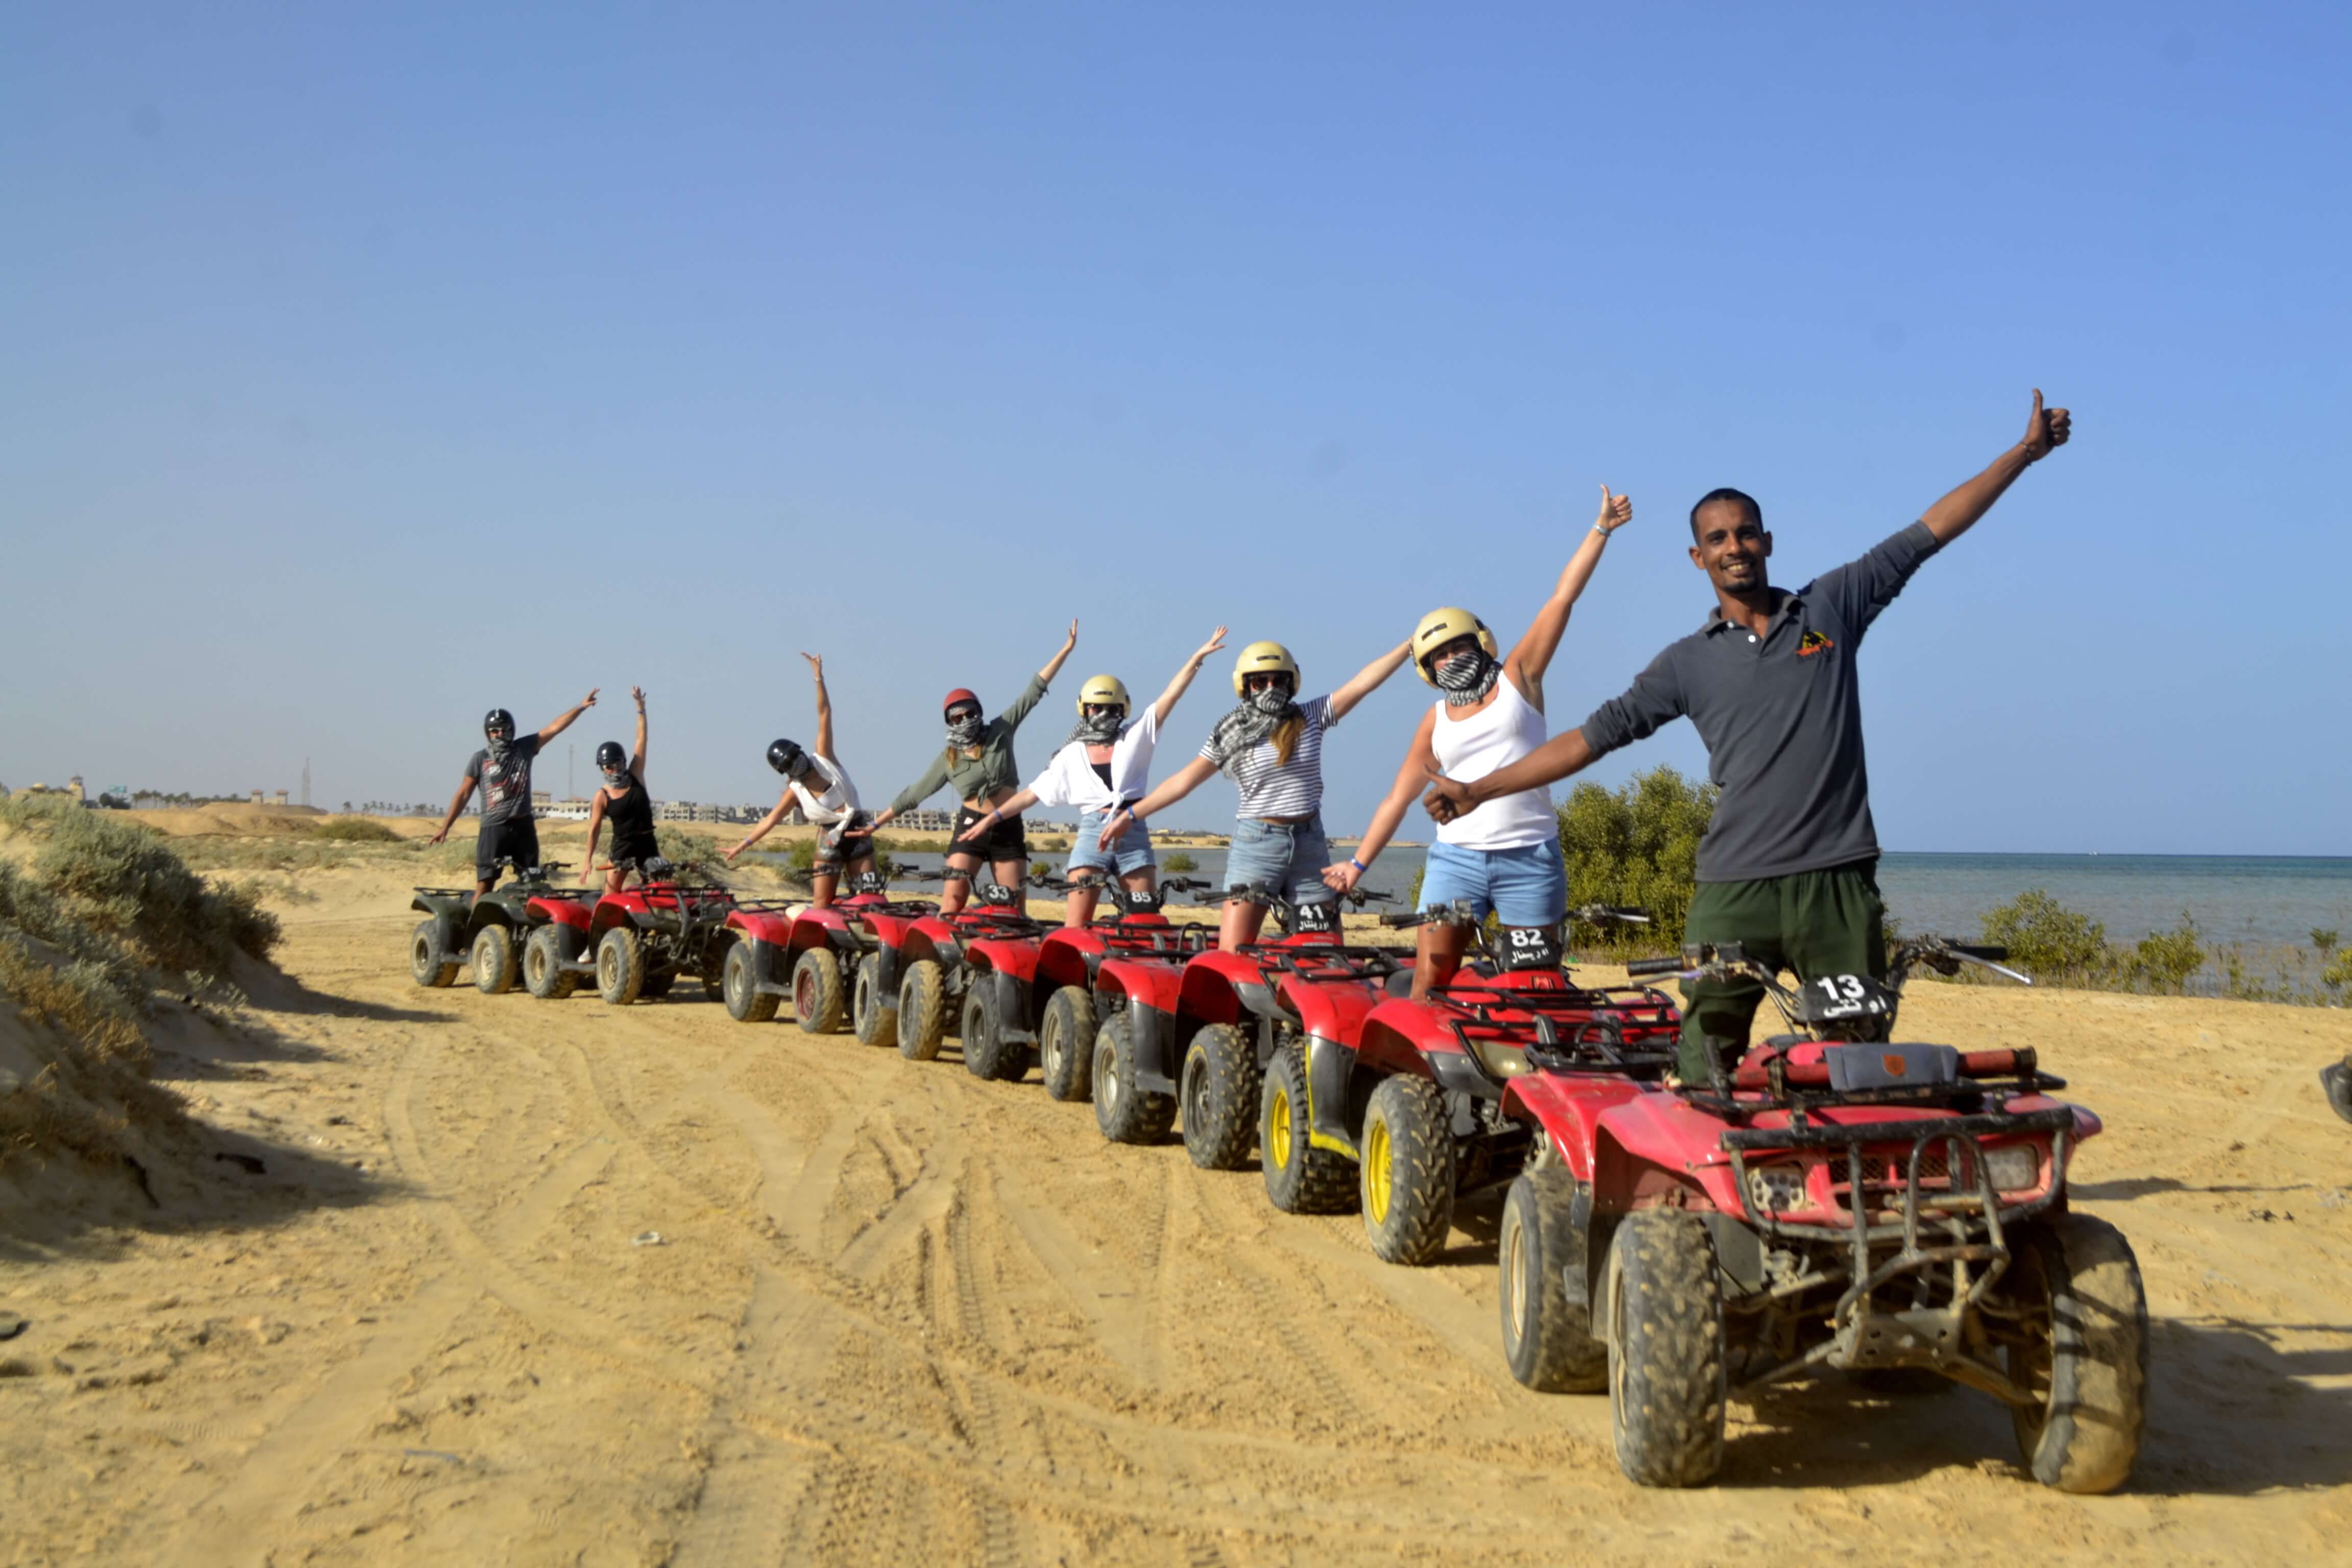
(2013,1169)
(1776,1188)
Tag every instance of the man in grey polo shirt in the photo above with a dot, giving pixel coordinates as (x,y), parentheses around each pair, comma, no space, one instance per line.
(1788,864)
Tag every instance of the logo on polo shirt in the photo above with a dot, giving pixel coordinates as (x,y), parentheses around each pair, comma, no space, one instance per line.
(1813,643)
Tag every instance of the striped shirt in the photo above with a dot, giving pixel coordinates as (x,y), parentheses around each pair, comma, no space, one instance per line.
(1269,788)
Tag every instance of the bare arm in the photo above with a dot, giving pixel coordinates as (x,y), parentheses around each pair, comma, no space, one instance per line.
(1958,512)
(1367,681)
(1172,788)
(1532,655)
(637,763)
(565,722)
(1183,676)
(1419,759)
(456,804)
(766,825)
(994,815)
(1054,665)
(824,706)
(595,827)
(1555,760)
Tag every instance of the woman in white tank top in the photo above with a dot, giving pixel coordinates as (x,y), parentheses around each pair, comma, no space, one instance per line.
(1492,715)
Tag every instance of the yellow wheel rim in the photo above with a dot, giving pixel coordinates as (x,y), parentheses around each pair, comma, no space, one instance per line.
(1277,1124)
(1376,1173)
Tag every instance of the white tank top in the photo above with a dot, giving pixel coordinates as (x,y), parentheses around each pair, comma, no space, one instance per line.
(1496,736)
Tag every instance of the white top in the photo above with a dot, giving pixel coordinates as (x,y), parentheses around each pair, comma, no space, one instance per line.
(1496,736)
(1071,780)
(839,797)
(1268,787)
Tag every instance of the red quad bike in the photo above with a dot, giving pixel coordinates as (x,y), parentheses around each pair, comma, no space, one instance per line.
(637,942)
(1506,1067)
(774,952)
(970,970)
(1209,1037)
(1084,974)
(494,930)
(1837,1202)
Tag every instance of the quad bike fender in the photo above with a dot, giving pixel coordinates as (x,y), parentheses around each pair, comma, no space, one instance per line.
(1158,1050)
(1333,1111)
(572,912)
(761,926)
(1656,1132)
(1143,983)
(1567,1111)
(1400,1038)
(1068,957)
(612,912)
(1214,987)
(823,927)
(1004,955)
(1335,1012)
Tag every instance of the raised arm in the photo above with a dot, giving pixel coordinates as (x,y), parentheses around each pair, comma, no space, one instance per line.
(823,707)
(1958,512)
(1367,681)
(1172,788)
(1654,698)
(915,794)
(1419,758)
(761,829)
(636,761)
(1532,655)
(565,722)
(1165,703)
(1054,665)
(456,804)
(595,827)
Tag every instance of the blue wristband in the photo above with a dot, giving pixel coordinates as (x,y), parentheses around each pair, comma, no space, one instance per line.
(1358,865)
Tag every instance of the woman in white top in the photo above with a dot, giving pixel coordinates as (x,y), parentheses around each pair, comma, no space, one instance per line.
(1272,744)
(821,787)
(1493,715)
(1105,764)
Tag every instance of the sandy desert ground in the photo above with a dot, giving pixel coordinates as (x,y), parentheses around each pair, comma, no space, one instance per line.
(895,1314)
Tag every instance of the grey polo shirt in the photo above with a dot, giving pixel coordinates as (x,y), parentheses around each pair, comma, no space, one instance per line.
(1781,717)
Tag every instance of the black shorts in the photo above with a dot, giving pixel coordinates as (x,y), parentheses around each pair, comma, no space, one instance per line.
(844,844)
(517,838)
(1008,840)
(632,854)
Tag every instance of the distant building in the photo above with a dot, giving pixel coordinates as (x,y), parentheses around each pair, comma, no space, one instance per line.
(925,821)
(278,799)
(541,799)
(573,810)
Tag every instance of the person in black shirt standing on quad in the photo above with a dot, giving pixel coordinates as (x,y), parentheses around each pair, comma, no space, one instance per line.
(1788,864)
(623,802)
(502,767)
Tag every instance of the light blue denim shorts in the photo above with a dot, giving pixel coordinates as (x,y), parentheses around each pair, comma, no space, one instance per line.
(1527,886)
(1132,852)
(1284,858)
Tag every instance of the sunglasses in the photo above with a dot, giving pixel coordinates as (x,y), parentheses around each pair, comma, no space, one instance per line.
(958,715)
(1261,682)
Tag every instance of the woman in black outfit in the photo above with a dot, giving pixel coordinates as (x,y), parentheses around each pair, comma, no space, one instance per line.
(624,801)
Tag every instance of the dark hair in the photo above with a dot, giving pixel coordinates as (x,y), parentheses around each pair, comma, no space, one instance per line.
(1725,493)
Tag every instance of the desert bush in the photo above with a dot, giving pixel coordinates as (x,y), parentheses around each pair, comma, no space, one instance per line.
(354,830)
(2166,959)
(1635,844)
(2324,940)
(1177,863)
(127,882)
(2339,972)
(2048,940)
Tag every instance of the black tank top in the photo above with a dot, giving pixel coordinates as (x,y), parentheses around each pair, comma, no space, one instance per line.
(632,817)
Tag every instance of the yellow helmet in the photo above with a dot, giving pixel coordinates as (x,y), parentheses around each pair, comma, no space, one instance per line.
(1440,626)
(1100,689)
(1264,658)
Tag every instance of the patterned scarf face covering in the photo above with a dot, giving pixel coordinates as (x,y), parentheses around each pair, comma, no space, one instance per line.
(964,731)
(1099,728)
(1466,678)
(1259,715)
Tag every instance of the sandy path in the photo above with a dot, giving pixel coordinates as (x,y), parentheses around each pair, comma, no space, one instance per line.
(898,1314)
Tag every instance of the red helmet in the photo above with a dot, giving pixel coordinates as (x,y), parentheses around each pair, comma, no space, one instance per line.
(958,695)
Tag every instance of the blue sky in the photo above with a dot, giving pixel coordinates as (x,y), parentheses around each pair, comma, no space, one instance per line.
(366,369)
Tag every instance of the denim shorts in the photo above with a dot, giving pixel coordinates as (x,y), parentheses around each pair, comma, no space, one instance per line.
(1526,887)
(1132,852)
(1284,858)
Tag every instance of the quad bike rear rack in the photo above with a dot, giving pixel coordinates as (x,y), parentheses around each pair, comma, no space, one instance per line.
(1595,1045)
(1863,1334)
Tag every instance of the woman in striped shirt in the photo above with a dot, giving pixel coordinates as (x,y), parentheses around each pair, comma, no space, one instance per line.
(1271,745)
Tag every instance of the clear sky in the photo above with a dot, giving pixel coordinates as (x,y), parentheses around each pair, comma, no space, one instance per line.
(362,368)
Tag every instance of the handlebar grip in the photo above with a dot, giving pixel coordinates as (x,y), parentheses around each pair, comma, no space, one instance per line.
(1646,966)
(1981,950)
(1410,918)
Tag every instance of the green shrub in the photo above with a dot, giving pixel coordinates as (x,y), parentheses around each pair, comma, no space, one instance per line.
(2324,940)
(2046,939)
(1177,863)
(354,830)
(2166,959)
(1636,845)
(2339,972)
